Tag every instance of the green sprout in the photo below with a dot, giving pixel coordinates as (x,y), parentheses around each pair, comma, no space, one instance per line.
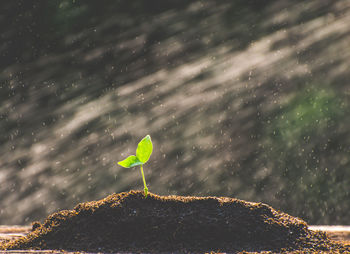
(143,152)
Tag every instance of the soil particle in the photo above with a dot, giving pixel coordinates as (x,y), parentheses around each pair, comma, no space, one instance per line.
(129,222)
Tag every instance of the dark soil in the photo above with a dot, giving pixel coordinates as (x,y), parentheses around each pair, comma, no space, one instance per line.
(130,222)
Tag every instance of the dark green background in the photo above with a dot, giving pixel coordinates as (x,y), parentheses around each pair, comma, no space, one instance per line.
(247,99)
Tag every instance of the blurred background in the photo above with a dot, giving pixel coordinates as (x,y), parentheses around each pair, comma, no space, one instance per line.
(246,99)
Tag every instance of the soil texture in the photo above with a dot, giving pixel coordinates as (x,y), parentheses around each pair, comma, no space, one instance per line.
(129,222)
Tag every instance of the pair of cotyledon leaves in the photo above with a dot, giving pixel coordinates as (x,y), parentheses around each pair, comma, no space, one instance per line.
(143,153)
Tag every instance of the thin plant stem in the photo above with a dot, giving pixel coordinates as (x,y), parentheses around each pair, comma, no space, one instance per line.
(144,181)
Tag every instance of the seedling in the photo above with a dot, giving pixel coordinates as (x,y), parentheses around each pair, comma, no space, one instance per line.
(143,152)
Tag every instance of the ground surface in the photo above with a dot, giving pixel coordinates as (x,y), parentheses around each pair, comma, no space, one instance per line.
(336,233)
(172,224)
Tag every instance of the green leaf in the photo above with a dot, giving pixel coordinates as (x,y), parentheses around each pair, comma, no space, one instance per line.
(144,149)
(129,162)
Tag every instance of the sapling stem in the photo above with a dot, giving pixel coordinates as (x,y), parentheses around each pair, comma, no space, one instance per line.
(144,181)
(143,152)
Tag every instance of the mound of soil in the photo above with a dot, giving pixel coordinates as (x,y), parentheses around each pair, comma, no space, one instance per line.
(130,222)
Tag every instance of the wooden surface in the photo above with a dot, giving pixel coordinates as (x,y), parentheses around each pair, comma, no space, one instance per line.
(337,233)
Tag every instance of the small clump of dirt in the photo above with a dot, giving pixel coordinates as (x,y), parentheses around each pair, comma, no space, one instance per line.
(130,222)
